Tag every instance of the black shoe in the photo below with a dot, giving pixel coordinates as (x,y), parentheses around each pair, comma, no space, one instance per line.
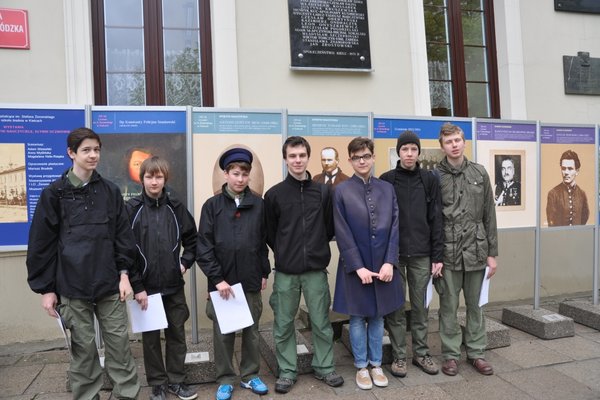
(182,391)
(158,393)
(284,385)
(332,379)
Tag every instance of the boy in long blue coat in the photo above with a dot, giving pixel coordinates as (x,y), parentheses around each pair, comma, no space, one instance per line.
(368,285)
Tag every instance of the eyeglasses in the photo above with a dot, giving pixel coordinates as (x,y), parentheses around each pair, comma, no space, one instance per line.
(364,157)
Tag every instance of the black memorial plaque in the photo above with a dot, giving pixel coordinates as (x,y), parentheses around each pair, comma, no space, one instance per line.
(582,6)
(329,34)
(581,74)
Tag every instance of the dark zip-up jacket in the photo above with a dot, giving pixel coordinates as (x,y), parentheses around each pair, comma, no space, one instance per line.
(161,227)
(79,240)
(420,212)
(232,241)
(299,224)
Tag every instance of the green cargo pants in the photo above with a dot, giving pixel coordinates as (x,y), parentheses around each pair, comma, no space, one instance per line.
(85,371)
(418,271)
(449,287)
(285,301)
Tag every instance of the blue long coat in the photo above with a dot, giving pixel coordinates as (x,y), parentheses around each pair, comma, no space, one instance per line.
(366,231)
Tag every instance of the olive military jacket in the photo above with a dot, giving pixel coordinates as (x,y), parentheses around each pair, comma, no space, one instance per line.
(469,216)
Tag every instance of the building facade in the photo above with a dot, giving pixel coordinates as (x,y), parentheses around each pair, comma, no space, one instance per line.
(483,58)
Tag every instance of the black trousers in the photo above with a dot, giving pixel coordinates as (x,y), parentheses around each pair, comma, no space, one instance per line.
(172,369)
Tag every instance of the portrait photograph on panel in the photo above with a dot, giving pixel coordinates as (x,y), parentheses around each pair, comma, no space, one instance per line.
(328,161)
(509,180)
(430,157)
(568,173)
(123,154)
(13,185)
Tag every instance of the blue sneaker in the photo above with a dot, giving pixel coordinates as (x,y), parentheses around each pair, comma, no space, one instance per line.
(256,385)
(224,392)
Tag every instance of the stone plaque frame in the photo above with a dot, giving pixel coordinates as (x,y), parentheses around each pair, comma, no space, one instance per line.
(581,74)
(329,35)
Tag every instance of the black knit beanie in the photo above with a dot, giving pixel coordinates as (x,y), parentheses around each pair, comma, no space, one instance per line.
(408,137)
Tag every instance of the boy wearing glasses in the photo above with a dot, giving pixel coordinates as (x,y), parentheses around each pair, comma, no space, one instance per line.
(368,285)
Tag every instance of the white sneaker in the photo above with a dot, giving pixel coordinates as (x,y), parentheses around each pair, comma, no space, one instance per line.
(379,379)
(363,380)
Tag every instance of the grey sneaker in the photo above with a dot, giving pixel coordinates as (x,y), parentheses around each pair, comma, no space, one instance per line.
(332,379)
(159,392)
(399,367)
(284,385)
(426,363)
(182,391)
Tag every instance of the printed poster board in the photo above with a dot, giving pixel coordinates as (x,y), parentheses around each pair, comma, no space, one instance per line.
(508,151)
(325,132)
(386,130)
(568,175)
(33,153)
(215,131)
(132,134)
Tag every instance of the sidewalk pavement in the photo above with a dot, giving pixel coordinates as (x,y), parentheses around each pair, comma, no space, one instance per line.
(530,368)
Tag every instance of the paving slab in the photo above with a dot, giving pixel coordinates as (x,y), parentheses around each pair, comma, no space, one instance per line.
(542,323)
(546,383)
(52,379)
(58,396)
(586,372)
(531,354)
(424,392)
(576,347)
(582,312)
(9,360)
(45,357)
(15,380)
(595,336)
(489,388)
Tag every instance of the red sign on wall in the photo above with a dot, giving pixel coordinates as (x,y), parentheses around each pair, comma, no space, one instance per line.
(14,29)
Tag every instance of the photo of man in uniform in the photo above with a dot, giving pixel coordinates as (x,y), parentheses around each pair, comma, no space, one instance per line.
(567,202)
(508,190)
(332,174)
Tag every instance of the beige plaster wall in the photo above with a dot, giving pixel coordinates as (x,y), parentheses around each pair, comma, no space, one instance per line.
(266,80)
(37,75)
(547,35)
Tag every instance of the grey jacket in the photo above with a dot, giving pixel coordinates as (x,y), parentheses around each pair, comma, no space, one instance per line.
(469,216)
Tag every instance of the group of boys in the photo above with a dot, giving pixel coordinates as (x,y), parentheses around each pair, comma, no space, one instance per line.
(89,251)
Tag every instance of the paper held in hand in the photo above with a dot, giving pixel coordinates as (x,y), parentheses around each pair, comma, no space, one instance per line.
(233,314)
(152,319)
(485,288)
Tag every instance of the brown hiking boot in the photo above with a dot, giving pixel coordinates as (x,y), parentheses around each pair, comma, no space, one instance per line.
(426,363)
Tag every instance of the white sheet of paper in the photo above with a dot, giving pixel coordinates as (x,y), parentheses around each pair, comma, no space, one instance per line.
(63,329)
(485,288)
(429,291)
(152,319)
(233,314)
